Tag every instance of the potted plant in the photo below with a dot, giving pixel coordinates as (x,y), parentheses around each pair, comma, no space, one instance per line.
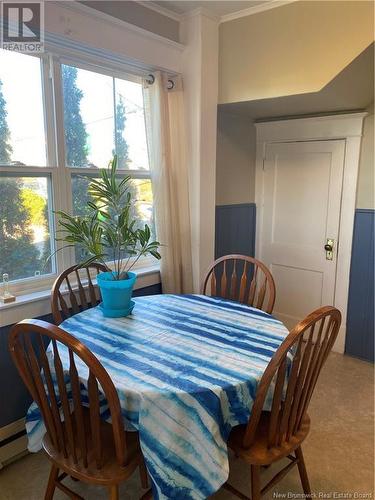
(110,233)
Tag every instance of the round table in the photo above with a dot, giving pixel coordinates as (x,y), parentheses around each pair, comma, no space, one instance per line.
(186,368)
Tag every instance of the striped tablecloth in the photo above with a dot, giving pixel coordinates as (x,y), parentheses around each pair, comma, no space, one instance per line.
(186,369)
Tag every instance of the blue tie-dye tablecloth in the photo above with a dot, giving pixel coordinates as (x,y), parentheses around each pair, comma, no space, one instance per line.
(186,368)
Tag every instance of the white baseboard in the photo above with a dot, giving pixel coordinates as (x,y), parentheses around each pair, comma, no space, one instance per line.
(12,451)
(13,428)
(12,448)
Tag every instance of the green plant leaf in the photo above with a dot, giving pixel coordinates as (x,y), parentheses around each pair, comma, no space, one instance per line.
(108,231)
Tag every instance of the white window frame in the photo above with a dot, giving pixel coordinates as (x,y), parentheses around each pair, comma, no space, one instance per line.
(61,175)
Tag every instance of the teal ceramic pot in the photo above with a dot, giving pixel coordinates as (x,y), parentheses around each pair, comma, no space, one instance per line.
(116,294)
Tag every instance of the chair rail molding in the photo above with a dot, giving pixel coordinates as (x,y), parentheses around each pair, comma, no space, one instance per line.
(346,127)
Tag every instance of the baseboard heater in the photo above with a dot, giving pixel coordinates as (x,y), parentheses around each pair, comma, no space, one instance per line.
(13,441)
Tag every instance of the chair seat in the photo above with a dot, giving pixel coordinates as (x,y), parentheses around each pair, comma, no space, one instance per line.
(110,471)
(259,453)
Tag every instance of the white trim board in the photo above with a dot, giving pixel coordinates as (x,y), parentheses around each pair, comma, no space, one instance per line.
(97,14)
(349,128)
(73,27)
(12,429)
(13,448)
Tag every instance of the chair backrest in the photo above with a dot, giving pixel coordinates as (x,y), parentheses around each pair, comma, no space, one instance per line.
(241,278)
(57,392)
(291,376)
(77,296)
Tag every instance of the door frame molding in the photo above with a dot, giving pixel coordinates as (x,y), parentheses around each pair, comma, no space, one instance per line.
(347,127)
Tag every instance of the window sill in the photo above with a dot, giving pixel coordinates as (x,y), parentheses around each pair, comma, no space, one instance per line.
(31,305)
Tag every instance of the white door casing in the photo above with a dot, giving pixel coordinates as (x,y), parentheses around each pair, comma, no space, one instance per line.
(328,150)
(302,198)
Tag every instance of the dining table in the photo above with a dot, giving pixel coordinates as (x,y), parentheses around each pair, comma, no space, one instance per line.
(186,369)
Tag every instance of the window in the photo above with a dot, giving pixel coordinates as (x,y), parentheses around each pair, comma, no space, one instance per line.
(88,117)
(25,207)
(25,242)
(103,116)
(99,114)
(22,139)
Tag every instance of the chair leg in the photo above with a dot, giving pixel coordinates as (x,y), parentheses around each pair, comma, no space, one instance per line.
(303,472)
(143,474)
(51,486)
(113,492)
(255,482)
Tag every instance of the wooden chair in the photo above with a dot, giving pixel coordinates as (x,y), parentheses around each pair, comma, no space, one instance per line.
(79,296)
(272,435)
(241,278)
(77,441)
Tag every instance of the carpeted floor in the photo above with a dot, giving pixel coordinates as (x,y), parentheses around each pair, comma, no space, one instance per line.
(339,451)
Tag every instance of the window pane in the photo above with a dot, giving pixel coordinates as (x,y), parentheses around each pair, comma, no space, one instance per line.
(141,193)
(25,242)
(143,209)
(80,186)
(22,134)
(131,144)
(88,117)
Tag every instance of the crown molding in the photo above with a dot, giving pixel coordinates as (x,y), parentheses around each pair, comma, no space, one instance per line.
(271,4)
(96,14)
(201,11)
(149,4)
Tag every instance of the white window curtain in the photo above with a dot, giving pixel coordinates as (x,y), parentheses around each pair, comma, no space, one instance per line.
(165,122)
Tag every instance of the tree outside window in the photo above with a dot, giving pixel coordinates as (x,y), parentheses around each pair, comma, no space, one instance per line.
(23,212)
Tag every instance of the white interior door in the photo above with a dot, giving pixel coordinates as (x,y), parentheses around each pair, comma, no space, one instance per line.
(301,211)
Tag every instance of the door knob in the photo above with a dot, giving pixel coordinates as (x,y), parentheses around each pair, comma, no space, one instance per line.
(328,247)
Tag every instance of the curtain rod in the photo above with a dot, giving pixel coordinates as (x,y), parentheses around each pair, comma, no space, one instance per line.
(151,79)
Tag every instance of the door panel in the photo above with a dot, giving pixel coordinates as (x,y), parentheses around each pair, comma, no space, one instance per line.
(296,188)
(294,298)
(301,210)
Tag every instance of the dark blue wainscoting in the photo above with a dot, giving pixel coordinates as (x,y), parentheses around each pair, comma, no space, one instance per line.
(148,290)
(360,323)
(235,229)
(14,397)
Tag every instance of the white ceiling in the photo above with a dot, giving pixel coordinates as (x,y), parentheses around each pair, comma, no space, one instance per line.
(216,7)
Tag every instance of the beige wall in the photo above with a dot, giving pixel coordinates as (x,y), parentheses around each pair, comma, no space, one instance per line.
(235,159)
(292,49)
(236,153)
(365,190)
